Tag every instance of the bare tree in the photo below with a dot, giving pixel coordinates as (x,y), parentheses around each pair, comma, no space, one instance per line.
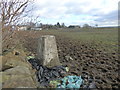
(11,11)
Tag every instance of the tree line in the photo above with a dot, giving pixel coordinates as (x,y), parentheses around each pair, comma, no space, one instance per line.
(13,11)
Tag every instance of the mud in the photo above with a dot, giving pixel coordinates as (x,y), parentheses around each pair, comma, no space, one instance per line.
(81,58)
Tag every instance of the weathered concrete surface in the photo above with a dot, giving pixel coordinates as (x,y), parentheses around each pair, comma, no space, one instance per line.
(47,51)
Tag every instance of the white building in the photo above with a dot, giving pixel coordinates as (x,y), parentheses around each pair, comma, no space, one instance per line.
(22,27)
(36,28)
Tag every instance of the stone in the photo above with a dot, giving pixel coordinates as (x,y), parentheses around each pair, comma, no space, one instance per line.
(18,76)
(18,70)
(17,53)
(68,58)
(14,63)
(4,77)
(16,81)
(47,51)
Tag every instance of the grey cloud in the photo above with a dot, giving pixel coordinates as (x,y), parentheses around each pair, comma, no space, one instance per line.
(71,8)
(55,10)
(78,9)
(112,16)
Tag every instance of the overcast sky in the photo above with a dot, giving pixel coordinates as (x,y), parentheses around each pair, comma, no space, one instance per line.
(77,12)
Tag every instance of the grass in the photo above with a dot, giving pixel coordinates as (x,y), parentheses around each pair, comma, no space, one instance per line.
(105,37)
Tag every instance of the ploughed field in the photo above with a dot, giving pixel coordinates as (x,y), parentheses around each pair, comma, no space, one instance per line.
(91,52)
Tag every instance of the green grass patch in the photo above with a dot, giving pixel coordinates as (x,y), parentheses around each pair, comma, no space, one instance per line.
(106,38)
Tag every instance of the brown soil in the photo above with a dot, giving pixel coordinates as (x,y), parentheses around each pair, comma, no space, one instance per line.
(87,59)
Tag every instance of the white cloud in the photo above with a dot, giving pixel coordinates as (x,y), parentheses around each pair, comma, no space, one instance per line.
(77,11)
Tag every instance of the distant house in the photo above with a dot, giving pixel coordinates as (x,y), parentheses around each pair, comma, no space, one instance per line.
(23,27)
(26,27)
(36,28)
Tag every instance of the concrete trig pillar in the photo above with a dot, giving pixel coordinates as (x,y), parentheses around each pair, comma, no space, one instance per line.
(47,51)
